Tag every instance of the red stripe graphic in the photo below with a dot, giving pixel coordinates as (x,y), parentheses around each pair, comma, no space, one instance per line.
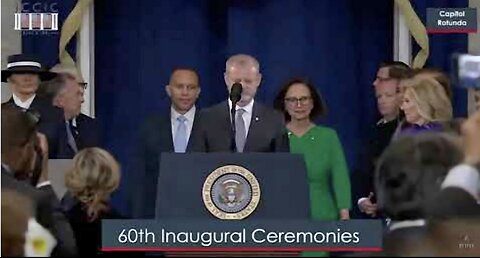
(432,31)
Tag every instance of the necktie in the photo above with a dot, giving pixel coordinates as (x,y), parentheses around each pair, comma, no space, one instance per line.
(240,131)
(180,142)
(71,138)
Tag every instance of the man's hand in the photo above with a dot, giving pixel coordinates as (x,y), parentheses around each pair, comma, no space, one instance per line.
(367,206)
(471,139)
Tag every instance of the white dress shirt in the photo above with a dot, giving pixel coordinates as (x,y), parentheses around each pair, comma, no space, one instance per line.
(23,104)
(465,177)
(190,116)
(247,115)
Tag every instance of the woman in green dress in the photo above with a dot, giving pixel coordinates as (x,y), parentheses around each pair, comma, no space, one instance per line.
(327,172)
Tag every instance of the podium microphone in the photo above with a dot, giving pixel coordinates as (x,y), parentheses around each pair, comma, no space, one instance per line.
(236,93)
(235,96)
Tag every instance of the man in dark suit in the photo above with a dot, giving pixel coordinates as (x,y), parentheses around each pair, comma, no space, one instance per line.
(24,74)
(66,91)
(21,146)
(389,98)
(257,127)
(170,132)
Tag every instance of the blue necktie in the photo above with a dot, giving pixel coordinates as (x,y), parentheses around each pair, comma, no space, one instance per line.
(71,138)
(180,142)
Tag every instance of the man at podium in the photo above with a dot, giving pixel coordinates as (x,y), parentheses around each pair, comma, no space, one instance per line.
(249,126)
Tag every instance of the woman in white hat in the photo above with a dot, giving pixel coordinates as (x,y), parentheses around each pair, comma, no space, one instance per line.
(24,74)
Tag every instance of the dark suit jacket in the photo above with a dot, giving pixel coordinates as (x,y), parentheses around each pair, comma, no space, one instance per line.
(382,137)
(155,138)
(52,125)
(267,132)
(454,202)
(88,234)
(47,212)
(87,134)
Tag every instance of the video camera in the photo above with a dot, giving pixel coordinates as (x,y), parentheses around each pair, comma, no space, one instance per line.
(466,71)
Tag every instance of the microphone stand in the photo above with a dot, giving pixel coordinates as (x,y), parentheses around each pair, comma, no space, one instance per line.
(233,145)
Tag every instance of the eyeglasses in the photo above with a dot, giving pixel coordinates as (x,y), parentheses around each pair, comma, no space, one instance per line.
(83,85)
(295,101)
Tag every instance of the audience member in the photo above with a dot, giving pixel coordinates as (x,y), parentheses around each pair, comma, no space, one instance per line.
(461,188)
(66,91)
(408,177)
(95,175)
(24,74)
(16,211)
(22,149)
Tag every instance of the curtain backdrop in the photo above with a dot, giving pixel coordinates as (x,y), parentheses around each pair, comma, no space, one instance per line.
(337,44)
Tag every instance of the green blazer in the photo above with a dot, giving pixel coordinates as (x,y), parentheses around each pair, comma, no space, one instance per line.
(327,171)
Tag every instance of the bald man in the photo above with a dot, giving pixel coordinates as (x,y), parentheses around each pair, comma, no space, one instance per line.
(171,131)
(257,127)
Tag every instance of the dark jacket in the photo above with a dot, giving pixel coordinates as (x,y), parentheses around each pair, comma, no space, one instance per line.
(48,212)
(267,132)
(86,134)
(453,202)
(381,138)
(52,124)
(155,138)
(88,234)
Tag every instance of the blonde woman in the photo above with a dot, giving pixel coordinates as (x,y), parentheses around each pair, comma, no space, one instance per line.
(95,175)
(426,106)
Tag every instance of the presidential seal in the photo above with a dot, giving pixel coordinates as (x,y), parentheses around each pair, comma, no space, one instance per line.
(231,192)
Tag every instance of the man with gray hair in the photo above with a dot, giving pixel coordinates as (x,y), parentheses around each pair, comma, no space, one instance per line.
(257,127)
(66,92)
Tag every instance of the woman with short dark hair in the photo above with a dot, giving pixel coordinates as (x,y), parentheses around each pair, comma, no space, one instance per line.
(321,148)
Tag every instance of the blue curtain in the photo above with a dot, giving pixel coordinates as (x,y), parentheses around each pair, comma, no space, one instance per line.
(442,46)
(337,44)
